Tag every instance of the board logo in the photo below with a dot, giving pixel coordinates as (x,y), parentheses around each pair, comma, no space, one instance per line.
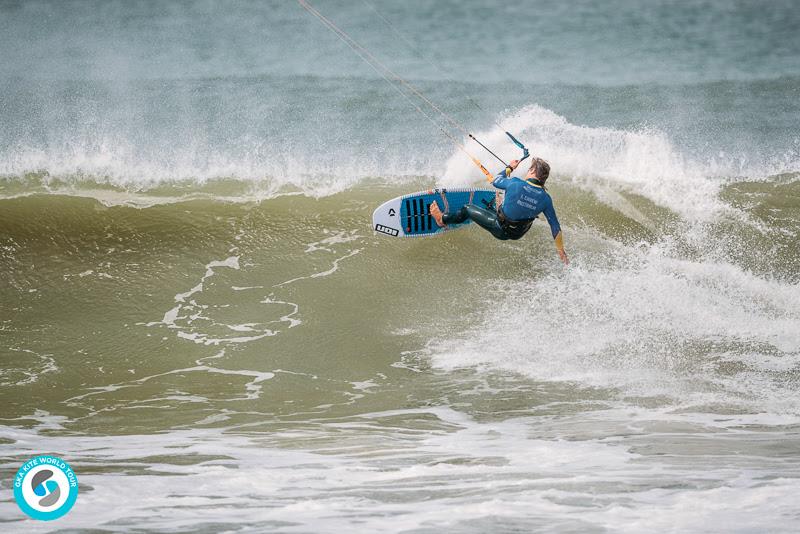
(386,230)
(391,212)
(45,488)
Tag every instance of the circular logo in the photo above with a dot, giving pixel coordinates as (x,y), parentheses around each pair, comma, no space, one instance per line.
(45,488)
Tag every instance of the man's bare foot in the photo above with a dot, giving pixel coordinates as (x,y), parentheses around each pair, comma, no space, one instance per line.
(436,213)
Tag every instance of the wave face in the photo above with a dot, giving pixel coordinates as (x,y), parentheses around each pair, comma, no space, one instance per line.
(192,294)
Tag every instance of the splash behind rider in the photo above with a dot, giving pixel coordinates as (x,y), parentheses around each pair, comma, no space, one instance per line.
(524,201)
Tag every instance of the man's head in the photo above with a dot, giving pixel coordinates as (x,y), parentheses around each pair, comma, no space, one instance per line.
(539,170)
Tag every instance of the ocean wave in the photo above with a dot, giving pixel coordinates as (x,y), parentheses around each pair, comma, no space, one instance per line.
(602,160)
(644,162)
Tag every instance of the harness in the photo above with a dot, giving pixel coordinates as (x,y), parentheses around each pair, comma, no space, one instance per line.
(514,229)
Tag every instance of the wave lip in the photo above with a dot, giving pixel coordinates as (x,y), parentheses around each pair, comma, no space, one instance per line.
(604,161)
(643,162)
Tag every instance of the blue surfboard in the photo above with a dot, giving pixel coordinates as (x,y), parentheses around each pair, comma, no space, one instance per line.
(409,215)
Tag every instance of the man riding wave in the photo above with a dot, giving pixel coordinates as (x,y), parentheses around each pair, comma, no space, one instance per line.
(524,201)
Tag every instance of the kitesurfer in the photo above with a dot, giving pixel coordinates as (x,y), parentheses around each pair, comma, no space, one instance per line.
(524,201)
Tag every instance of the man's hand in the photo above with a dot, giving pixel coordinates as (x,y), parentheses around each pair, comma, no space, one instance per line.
(563,256)
(513,163)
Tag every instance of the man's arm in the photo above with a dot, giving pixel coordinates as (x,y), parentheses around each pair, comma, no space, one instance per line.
(503,177)
(555,228)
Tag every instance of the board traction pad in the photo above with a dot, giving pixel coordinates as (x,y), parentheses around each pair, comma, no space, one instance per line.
(409,216)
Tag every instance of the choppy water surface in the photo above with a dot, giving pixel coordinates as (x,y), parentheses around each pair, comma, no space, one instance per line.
(196,314)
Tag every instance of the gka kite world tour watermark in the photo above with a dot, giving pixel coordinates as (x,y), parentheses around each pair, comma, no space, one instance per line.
(45,487)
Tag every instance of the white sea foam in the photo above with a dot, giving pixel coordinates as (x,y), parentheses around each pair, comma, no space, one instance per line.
(79,167)
(601,159)
(643,161)
(193,320)
(382,471)
(252,388)
(320,274)
(648,324)
(32,365)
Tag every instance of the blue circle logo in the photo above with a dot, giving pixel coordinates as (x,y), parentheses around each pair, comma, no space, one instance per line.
(45,488)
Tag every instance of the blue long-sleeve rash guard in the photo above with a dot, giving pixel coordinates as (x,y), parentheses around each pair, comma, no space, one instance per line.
(525,200)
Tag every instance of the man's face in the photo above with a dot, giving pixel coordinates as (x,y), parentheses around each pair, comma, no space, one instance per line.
(531,173)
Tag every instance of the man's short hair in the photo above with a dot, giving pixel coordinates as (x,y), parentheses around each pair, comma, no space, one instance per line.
(542,168)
